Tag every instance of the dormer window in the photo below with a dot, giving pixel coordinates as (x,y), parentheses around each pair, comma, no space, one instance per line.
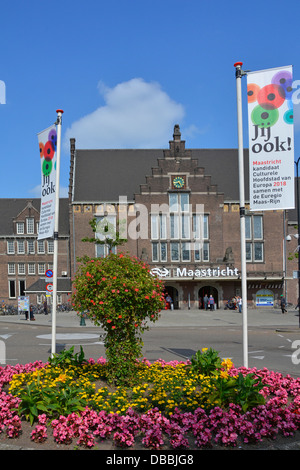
(30,225)
(20,228)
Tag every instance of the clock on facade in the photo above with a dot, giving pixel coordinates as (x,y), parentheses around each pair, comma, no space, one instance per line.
(178,182)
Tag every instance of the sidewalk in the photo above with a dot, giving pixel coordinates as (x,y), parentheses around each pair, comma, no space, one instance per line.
(263,317)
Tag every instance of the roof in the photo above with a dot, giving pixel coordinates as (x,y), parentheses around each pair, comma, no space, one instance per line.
(11,208)
(63,285)
(105,174)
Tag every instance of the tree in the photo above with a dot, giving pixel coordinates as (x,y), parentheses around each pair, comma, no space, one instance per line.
(121,295)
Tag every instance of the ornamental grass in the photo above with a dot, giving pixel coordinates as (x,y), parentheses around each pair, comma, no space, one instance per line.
(171,404)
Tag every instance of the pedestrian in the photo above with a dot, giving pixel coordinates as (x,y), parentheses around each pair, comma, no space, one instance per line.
(211,302)
(170,302)
(31,313)
(45,308)
(283,304)
(240,303)
(205,300)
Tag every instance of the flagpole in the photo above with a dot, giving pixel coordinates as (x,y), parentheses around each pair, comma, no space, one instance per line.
(56,222)
(239,73)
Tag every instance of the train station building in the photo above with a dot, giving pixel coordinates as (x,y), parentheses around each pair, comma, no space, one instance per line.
(178,209)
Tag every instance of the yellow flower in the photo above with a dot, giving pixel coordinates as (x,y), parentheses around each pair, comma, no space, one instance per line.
(227,363)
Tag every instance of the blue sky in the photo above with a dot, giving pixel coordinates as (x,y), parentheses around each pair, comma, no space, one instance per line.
(125,72)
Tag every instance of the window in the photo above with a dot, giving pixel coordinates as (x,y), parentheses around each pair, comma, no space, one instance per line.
(22,287)
(163,252)
(154,227)
(159,251)
(185,230)
(174,251)
(162,226)
(200,226)
(12,289)
(106,227)
(21,268)
(184,202)
(185,252)
(105,231)
(174,226)
(254,238)
(20,228)
(205,251)
(173,202)
(50,246)
(155,252)
(30,247)
(30,225)
(11,268)
(41,247)
(102,250)
(31,268)
(41,269)
(185,226)
(21,247)
(10,247)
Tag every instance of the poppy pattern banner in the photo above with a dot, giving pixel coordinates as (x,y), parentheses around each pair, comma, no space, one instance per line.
(47,143)
(271,139)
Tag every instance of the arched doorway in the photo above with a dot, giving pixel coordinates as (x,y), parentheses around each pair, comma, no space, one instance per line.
(209,290)
(173,292)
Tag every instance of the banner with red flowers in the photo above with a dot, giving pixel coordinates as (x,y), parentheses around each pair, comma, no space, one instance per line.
(271,139)
(47,143)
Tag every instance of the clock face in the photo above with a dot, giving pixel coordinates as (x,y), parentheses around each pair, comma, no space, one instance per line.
(178,182)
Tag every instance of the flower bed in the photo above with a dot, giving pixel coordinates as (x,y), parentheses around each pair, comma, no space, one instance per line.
(170,407)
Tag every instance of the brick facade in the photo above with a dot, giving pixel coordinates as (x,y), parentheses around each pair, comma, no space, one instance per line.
(216,269)
(24,259)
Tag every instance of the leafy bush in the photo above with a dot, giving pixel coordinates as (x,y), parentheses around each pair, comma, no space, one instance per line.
(121,295)
(66,358)
(36,399)
(206,361)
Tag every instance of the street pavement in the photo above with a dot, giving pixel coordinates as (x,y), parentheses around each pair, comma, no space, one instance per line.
(260,317)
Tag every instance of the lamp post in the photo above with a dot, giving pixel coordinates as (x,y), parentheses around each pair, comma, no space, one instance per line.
(298,218)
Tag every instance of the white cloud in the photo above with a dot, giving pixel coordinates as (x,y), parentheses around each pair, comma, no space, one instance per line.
(136,114)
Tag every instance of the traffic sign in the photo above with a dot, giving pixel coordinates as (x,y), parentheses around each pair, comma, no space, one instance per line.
(49,287)
(49,273)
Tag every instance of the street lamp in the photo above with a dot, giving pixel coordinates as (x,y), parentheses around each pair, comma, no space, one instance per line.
(298,218)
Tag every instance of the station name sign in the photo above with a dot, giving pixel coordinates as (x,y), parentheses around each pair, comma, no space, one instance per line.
(195,273)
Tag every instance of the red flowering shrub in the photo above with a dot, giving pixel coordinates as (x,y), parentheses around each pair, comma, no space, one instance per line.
(119,293)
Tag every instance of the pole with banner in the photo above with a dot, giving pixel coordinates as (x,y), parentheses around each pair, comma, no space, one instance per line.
(56,224)
(49,144)
(271,139)
(239,73)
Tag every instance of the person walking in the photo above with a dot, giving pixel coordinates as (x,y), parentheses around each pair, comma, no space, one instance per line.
(211,302)
(205,300)
(240,303)
(283,304)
